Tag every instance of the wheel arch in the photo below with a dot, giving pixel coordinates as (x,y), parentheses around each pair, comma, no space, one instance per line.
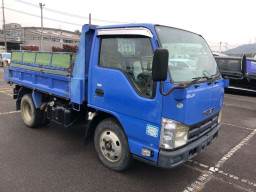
(20,93)
(99,117)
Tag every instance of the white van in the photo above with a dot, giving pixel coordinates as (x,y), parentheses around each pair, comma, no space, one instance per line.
(3,57)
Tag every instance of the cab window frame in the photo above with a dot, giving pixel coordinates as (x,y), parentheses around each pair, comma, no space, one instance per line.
(123,71)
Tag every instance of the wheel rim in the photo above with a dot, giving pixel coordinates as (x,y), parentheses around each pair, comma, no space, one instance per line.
(110,146)
(27,111)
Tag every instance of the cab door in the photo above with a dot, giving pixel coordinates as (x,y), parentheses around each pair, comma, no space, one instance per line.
(122,77)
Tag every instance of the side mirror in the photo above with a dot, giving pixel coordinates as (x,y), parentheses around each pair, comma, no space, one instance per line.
(244,64)
(160,64)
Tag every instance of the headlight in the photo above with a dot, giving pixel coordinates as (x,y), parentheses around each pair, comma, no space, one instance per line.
(220,115)
(173,134)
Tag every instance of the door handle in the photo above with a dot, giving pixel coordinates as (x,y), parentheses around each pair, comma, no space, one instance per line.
(99,92)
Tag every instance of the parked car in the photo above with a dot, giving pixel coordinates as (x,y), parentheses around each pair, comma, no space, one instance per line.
(215,54)
(3,57)
(240,70)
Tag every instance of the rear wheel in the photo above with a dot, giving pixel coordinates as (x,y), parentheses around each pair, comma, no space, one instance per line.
(112,146)
(31,116)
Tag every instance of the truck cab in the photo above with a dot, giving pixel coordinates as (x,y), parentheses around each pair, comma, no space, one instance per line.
(156,93)
(164,128)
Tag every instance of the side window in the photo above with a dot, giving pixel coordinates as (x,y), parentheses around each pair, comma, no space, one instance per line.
(223,64)
(234,64)
(133,56)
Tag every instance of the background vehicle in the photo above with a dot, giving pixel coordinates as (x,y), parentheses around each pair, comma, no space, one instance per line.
(145,108)
(240,70)
(3,57)
(216,54)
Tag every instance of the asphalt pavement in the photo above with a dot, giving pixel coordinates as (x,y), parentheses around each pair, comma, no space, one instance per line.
(55,159)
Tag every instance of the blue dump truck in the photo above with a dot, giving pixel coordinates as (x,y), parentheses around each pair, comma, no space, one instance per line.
(241,71)
(155,92)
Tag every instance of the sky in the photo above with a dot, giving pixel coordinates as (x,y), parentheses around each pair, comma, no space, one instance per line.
(227,21)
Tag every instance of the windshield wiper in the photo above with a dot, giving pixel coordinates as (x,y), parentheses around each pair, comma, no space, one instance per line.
(213,77)
(182,86)
(196,79)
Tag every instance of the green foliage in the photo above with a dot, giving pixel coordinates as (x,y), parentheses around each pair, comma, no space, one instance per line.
(77,32)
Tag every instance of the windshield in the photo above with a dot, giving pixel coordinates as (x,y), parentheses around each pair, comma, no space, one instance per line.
(189,56)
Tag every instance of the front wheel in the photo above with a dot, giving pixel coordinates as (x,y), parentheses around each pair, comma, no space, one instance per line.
(112,146)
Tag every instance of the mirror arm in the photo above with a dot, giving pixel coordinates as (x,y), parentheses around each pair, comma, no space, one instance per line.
(247,76)
(172,89)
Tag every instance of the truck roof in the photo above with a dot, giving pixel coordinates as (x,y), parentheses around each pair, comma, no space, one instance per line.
(146,25)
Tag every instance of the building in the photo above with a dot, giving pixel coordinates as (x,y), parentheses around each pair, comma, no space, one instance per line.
(18,36)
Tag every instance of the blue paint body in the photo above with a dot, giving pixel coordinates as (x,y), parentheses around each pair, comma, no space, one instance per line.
(197,100)
(120,99)
(251,68)
(37,98)
(54,84)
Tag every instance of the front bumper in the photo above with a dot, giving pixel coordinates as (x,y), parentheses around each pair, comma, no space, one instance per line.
(171,159)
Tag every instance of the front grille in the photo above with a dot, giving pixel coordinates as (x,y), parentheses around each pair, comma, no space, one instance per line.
(200,129)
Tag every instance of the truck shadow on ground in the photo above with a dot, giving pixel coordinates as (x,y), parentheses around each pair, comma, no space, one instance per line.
(74,137)
(53,154)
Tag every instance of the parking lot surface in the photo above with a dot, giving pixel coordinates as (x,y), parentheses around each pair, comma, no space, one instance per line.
(52,158)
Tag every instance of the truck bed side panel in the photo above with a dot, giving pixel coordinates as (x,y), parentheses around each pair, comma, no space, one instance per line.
(53,84)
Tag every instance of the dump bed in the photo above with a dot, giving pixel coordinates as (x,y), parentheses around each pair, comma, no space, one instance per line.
(56,73)
(45,71)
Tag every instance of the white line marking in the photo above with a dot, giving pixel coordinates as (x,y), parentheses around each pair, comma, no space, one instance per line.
(11,112)
(198,183)
(238,106)
(235,149)
(217,170)
(242,127)
(5,93)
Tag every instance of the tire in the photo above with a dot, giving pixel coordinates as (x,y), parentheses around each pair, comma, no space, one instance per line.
(31,116)
(112,146)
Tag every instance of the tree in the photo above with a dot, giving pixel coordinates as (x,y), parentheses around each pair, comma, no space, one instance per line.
(66,48)
(70,48)
(57,49)
(30,48)
(77,32)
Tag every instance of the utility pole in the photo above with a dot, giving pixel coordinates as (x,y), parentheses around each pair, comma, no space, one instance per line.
(90,19)
(220,47)
(226,46)
(41,43)
(5,43)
